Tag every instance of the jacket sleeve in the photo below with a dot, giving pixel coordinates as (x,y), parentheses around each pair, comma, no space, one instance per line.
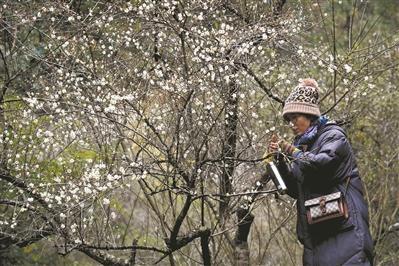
(327,156)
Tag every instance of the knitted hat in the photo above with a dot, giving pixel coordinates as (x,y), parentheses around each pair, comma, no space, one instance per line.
(303,99)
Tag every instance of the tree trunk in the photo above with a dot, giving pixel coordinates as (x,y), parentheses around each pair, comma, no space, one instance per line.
(229,145)
(245,219)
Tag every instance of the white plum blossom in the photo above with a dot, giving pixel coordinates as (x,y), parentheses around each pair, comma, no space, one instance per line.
(87,190)
(106,201)
(348,68)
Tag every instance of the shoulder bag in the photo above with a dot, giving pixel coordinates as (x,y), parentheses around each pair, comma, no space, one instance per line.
(327,207)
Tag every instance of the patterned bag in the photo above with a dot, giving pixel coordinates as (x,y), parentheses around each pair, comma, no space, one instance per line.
(328,207)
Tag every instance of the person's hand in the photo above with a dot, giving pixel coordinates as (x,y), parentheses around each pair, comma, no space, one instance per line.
(272,147)
(287,148)
(273,144)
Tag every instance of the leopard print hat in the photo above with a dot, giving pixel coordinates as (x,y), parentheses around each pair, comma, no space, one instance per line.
(303,99)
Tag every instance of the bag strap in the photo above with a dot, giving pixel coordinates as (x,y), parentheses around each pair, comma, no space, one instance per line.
(348,179)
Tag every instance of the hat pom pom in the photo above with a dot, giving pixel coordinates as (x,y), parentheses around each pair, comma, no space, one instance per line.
(309,83)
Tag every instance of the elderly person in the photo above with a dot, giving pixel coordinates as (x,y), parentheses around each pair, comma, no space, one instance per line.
(322,162)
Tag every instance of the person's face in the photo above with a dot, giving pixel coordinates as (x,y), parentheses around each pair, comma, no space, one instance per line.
(299,123)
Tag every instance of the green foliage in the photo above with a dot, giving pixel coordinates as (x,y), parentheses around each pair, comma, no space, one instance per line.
(40,254)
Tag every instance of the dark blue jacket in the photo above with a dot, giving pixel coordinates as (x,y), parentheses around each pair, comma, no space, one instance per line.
(322,169)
